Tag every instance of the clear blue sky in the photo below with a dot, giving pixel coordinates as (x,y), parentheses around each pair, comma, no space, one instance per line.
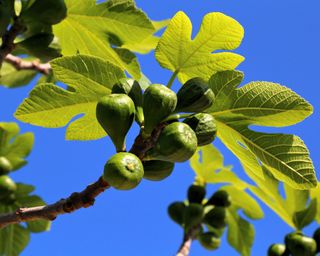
(281,44)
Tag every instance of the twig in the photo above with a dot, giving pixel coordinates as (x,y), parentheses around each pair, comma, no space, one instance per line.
(21,64)
(185,246)
(74,202)
(8,39)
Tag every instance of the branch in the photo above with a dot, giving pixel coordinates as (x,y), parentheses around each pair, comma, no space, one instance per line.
(185,246)
(8,39)
(35,65)
(74,202)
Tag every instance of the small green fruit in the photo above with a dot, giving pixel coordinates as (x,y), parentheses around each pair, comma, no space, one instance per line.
(209,240)
(176,212)
(193,216)
(46,11)
(217,217)
(9,200)
(6,14)
(196,194)
(7,187)
(316,237)
(5,165)
(276,250)
(133,90)
(115,114)
(220,198)
(194,96)
(204,126)
(302,246)
(158,103)
(123,171)
(157,170)
(176,143)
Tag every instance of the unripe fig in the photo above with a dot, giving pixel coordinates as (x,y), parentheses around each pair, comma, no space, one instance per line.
(5,165)
(196,194)
(209,240)
(133,90)
(204,126)
(217,217)
(158,103)
(123,171)
(46,11)
(194,96)
(276,250)
(9,200)
(220,198)
(301,245)
(316,237)
(7,186)
(6,14)
(193,216)
(176,143)
(115,114)
(176,212)
(157,170)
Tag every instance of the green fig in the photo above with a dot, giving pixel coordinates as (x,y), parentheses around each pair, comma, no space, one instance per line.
(45,11)
(6,14)
(123,171)
(217,217)
(193,216)
(176,212)
(115,114)
(176,143)
(158,103)
(276,250)
(204,126)
(194,96)
(299,245)
(133,90)
(316,237)
(209,240)
(7,187)
(9,200)
(220,198)
(5,165)
(196,194)
(157,170)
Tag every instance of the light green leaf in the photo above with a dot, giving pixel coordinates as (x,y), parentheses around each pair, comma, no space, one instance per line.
(304,217)
(88,79)
(208,165)
(240,232)
(90,28)
(177,52)
(315,194)
(14,146)
(12,78)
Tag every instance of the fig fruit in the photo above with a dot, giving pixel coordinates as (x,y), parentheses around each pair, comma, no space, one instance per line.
(7,187)
(123,171)
(158,103)
(157,170)
(176,143)
(196,194)
(115,113)
(216,218)
(276,250)
(209,240)
(5,165)
(299,245)
(176,212)
(193,216)
(194,96)
(204,126)
(6,14)
(316,237)
(220,198)
(133,90)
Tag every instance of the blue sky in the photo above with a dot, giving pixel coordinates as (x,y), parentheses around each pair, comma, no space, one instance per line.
(281,45)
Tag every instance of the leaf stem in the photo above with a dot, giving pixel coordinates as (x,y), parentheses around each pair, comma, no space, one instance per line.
(172,78)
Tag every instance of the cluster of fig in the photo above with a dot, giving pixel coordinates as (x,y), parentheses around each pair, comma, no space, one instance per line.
(202,219)
(297,244)
(169,139)
(7,186)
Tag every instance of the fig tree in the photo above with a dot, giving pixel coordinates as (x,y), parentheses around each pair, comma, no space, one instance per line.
(176,143)
(176,212)
(204,126)
(196,193)
(276,250)
(216,218)
(194,96)
(158,103)
(115,114)
(220,198)
(157,170)
(209,240)
(123,171)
